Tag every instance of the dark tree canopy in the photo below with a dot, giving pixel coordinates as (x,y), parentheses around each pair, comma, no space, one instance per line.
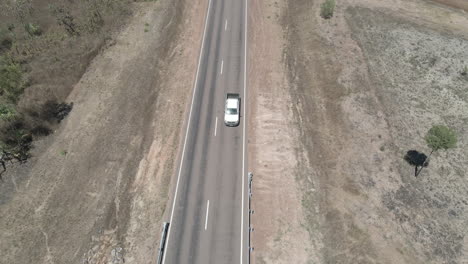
(416,158)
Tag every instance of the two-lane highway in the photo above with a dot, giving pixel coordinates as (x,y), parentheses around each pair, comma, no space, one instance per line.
(208,216)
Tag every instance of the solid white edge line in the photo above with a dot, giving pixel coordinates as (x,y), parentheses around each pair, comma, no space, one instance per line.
(216,125)
(243,137)
(207,210)
(222,64)
(187,131)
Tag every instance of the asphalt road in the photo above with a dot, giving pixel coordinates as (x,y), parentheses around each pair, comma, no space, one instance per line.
(208,222)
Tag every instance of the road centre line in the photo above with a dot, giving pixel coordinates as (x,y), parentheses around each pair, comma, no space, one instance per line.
(207,210)
(216,125)
(187,131)
(222,64)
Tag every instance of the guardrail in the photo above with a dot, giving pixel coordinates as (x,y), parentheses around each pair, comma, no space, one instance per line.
(162,243)
(250,213)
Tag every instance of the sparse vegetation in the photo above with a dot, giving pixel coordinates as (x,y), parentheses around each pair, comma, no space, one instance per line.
(94,19)
(415,68)
(28,40)
(65,18)
(327,8)
(50,73)
(20,9)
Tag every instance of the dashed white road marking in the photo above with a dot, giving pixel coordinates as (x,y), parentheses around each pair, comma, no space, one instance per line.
(216,125)
(222,65)
(225,25)
(207,210)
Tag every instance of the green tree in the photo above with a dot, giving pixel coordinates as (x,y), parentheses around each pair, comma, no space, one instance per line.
(440,137)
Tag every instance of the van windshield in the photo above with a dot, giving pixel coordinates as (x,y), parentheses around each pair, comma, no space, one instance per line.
(231,111)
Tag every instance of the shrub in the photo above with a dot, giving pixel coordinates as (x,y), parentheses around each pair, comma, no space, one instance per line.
(32,29)
(14,136)
(53,111)
(6,40)
(5,44)
(41,130)
(464,72)
(11,83)
(7,112)
(327,8)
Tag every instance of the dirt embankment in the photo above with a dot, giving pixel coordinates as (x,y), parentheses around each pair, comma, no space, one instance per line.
(278,220)
(461,4)
(364,88)
(95,190)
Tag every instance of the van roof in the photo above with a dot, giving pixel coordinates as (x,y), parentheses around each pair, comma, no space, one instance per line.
(231,103)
